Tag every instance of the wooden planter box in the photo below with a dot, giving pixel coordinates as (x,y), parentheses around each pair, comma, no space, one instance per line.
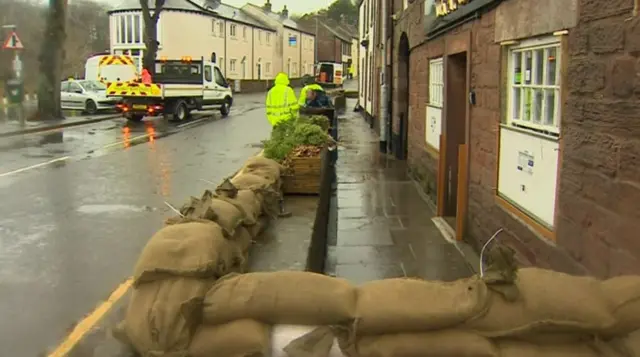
(303,177)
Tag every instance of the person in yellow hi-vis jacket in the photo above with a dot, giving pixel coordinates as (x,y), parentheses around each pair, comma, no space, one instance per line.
(281,103)
(309,84)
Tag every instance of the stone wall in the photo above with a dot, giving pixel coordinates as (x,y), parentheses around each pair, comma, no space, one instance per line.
(599,182)
(599,195)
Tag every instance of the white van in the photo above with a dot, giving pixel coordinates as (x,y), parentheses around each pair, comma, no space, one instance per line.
(110,68)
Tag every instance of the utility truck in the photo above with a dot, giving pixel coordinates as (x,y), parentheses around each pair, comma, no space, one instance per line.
(177,88)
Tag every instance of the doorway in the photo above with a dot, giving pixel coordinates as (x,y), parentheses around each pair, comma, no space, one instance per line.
(400,145)
(454,177)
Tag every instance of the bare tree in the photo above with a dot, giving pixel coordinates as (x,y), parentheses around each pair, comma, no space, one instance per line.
(151,32)
(51,60)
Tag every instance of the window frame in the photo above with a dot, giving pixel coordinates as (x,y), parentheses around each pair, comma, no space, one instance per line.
(232,65)
(267,38)
(244,33)
(436,83)
(218,77)
(221,28)
(233,29)
(71,90)
(532,45)
(208,73)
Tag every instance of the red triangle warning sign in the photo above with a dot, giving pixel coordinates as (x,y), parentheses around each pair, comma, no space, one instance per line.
(13,42)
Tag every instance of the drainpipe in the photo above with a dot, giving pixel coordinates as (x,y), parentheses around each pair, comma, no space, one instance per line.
(384,89)
(253,54)
(300,59)
(390,100)
(225,49)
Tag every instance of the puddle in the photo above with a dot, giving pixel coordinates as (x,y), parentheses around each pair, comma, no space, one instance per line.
(113,208)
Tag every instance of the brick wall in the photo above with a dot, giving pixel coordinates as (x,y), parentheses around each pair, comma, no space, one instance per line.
(599,196)
(325,40)
(598,213)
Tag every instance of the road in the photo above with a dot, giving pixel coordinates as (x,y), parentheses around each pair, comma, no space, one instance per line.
(75,214)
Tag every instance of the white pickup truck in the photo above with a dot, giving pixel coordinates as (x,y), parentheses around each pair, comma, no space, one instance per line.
(177,88)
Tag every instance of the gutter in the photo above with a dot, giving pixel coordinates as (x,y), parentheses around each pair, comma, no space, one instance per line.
(225,49)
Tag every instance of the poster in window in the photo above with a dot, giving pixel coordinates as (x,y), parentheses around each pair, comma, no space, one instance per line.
(433,126)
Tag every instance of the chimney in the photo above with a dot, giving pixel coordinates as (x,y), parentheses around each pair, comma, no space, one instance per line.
(285,12)
(267,6)
(212,4)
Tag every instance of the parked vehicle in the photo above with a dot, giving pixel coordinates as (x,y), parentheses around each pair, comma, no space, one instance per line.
(90,96)
(329,74)
(178,87)
(110,68)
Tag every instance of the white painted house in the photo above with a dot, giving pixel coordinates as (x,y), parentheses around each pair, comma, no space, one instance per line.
(196,29)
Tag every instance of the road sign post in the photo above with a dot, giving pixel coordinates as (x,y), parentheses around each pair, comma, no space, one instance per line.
(15,86)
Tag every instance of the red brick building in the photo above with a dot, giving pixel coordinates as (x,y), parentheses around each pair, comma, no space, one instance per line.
(521,115)
(333,42)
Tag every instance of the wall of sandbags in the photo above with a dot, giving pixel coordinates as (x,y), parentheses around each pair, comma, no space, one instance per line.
(208,238)
(192,299)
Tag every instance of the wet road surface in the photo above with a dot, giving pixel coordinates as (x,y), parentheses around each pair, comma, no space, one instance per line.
(71,229)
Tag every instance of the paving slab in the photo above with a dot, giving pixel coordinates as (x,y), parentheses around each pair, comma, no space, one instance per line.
(385,226)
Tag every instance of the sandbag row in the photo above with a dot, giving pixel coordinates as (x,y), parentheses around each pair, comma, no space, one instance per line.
(554,313)
(181,262)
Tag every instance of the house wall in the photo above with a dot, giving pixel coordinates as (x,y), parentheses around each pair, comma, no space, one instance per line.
(355,57)
(598,217)
(291,54)
(277,37)
(595,214)
(203,36)
(239,47)
(308,54)
(264,54)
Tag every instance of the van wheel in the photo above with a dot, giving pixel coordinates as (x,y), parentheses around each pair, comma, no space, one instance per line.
(225,109)
(180,111)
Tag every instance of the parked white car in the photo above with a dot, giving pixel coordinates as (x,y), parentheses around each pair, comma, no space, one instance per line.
(90,96)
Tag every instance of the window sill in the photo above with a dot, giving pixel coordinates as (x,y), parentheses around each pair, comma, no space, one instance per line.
(431,151)
(536,227)
(531,131)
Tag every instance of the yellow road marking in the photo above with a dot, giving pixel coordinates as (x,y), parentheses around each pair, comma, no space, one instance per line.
(89,322)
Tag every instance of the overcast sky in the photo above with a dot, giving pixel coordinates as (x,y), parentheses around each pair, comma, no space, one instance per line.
(294,6)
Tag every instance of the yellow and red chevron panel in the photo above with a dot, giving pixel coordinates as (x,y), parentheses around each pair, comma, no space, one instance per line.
(132,89)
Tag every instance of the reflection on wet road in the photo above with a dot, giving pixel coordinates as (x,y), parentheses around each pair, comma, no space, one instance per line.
(70,231)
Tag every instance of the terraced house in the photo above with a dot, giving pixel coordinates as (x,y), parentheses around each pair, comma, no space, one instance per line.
(517,118)
(294,47)
(247,47)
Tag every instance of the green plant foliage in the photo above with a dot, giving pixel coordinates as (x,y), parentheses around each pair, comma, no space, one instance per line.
(288,135)
(319,120)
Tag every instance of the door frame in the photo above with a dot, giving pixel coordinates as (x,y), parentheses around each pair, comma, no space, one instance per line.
(456,45)
(209,88)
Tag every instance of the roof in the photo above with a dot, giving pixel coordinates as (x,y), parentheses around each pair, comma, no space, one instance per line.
(204,7)
(179,5)
(286,21)
(335,29)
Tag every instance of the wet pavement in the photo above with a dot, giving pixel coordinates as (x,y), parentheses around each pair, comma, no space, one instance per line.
(384,223)
(76,214)
(285,244)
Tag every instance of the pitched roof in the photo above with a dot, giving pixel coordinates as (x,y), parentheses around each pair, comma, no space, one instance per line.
(286,21)
(204,7)
(335,29)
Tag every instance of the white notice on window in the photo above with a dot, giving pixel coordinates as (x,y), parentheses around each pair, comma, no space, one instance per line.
(525,162)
